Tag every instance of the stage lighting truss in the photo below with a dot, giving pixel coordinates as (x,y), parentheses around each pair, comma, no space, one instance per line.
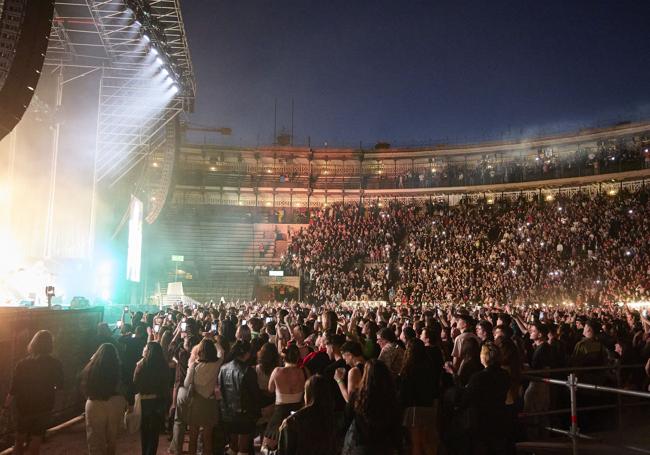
(159,191)
(130,42)
(125,137)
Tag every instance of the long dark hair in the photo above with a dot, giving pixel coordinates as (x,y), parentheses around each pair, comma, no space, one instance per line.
(319,400)
(291,354)
(240,349)
(416,360)
(207,351)
(376,401)
(153,368)
(268,357)
(510,360)
(470,350)
(101,376)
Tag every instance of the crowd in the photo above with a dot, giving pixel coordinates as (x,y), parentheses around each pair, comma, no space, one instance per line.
(546,164)
(573,249)
(329,252)
(336,378)
(547,251)
(449,312)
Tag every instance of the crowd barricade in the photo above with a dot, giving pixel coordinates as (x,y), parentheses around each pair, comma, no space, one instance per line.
(573,386)
(74,333)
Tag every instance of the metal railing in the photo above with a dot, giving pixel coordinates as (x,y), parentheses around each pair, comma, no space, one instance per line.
(573,385)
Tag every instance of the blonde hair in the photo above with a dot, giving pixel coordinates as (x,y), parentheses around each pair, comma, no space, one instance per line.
(490,354)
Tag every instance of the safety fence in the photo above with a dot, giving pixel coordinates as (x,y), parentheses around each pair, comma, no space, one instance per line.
(573,385)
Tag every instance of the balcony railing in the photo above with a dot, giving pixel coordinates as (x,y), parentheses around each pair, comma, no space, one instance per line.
(405,175)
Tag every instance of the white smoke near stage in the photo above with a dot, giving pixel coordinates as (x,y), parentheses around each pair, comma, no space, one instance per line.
(27,177)
(46,233)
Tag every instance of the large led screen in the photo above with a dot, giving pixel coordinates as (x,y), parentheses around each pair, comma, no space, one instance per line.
(134,255)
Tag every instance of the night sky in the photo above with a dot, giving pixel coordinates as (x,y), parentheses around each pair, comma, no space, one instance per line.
(412,72)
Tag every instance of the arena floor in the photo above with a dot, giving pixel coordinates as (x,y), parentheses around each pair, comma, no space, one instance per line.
(72,441)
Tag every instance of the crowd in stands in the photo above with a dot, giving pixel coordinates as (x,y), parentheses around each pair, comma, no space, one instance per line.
(338,237)
(604,157)
(339,378)
(569,249)
(547,164)
(577,249)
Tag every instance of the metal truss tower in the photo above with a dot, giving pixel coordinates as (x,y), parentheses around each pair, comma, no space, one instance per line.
(107,37)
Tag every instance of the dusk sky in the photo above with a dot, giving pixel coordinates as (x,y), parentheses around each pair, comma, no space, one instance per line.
(409,72)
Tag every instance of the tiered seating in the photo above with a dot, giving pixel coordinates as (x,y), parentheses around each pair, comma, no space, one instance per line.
(216,256)
(265,235)
(231,286)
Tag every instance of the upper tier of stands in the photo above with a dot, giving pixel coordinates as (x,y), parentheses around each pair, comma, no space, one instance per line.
(621,148)
(287,184)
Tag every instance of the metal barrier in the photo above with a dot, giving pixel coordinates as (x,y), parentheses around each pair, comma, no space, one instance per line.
(573,385)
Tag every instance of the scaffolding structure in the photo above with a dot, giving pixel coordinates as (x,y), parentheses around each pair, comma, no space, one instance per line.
(114,39)
(106,36)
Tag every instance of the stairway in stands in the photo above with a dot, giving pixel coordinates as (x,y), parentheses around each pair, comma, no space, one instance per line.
(216,257)
(264,234)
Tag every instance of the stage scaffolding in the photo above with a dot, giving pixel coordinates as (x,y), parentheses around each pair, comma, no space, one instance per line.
(106,38)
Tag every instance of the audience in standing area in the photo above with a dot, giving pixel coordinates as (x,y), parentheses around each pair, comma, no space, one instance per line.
(35,381)
(428,348)
(105,400)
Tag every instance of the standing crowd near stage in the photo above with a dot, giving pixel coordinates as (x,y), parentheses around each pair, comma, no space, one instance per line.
(421,327)
(340,378)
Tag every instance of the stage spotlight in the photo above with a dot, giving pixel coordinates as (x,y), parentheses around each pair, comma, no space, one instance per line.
(154,51)
(146,38)
(174,89)
(165,72)
(159,61)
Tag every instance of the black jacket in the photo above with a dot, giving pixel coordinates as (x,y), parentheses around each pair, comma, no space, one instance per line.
(485,395)
(305,433)
(239,392)
(418,388)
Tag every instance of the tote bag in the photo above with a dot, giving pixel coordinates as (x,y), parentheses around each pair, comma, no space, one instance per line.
(132,419)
